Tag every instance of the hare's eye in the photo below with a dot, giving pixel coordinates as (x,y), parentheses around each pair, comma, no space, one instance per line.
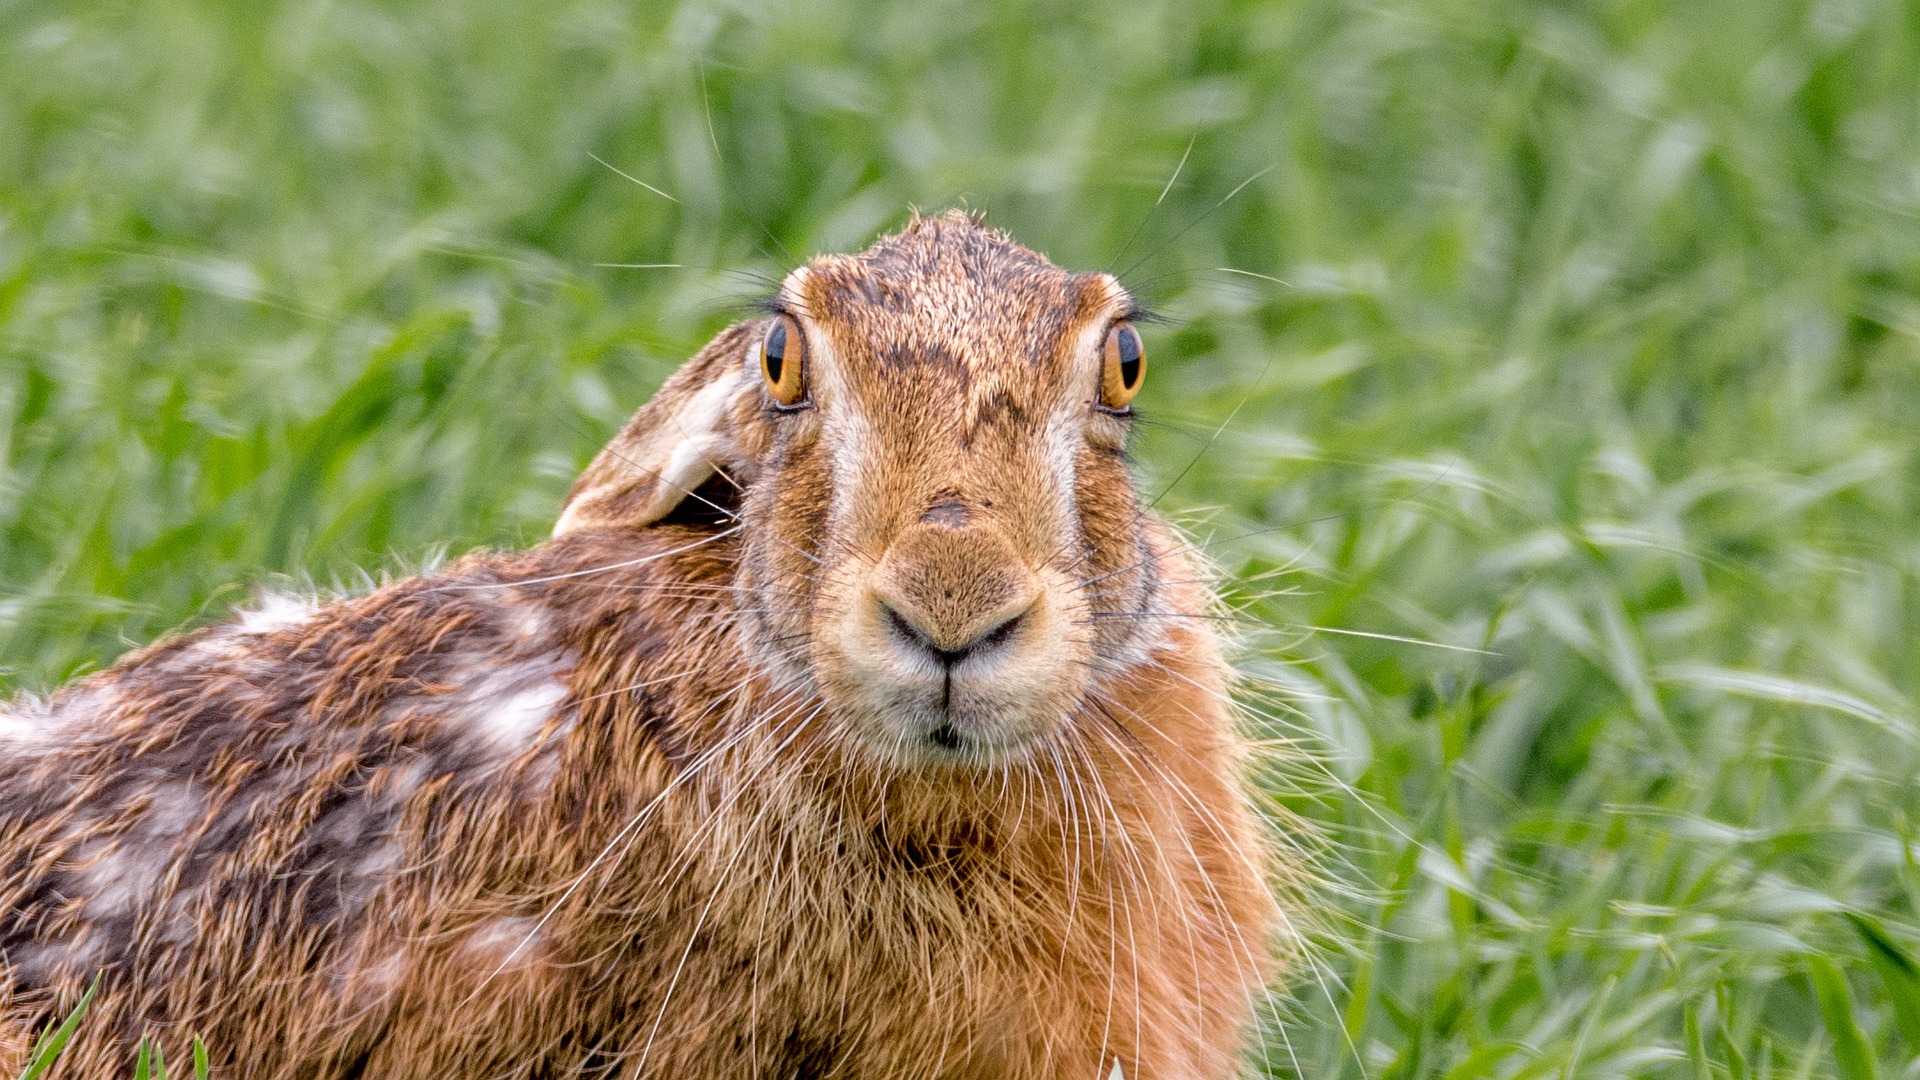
(1124,367)
(783,361)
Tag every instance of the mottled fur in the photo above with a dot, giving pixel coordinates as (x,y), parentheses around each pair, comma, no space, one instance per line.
(663,797)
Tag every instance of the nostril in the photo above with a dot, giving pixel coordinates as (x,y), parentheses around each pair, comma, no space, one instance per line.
(910,634)
(999,635)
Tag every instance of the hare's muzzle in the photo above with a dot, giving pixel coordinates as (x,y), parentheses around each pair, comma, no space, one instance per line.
(953,650)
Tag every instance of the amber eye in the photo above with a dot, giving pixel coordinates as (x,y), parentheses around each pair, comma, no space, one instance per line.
(1124,367)
(783,361)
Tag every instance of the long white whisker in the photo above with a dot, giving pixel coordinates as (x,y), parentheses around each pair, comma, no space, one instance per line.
(517,583)
(633,178)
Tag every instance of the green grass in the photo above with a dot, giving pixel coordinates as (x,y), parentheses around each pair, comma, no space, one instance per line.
(149,1064)
(1593,364)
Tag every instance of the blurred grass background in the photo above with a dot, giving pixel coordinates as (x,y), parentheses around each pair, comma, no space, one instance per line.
(1590,364)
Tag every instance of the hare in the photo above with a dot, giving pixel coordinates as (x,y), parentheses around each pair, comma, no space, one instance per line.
(858,720)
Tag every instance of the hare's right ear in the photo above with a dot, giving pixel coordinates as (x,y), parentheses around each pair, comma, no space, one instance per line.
(703,420)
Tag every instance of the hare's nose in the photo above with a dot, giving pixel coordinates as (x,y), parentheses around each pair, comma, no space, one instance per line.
(908,633)
(948,593)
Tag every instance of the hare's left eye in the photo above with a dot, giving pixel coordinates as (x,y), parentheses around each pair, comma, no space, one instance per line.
(783,361)
(1123,368)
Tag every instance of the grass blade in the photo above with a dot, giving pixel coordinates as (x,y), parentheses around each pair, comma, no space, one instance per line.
(50,1049)
(1850,1049)
(1899,973)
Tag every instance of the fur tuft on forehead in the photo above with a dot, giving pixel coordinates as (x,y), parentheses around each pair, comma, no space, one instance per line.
(954,239)
(947,279)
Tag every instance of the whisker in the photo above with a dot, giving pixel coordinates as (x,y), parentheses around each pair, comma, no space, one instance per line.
(1148,216)
(1197,220)
(726,174)
(1249,273)
(519,582)
(619,172)
(1399,638)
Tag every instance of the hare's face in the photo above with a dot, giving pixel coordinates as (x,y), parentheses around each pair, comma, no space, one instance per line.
(941,536)
(924,449)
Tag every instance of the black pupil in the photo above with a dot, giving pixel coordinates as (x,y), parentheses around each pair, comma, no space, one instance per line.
(1129,357)
(776,350)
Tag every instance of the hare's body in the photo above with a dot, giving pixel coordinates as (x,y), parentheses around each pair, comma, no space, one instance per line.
(566,813)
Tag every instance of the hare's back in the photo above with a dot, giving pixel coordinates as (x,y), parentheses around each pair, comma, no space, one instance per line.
(266,800)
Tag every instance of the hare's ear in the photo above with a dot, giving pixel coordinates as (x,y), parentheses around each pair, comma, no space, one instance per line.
(703,420)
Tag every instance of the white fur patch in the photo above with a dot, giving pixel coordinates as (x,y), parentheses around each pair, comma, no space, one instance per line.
(380,863)
(511,721)
(117,878)
(172,810)
(504,942)
(386,973)
(383,976)
(345,825)
(506,706)
(373,979)
(528,622)
(400,782)
(851,435)
(35,721)
(39,961)
(86,705)
(273,613)
(16,726)
(1063,458)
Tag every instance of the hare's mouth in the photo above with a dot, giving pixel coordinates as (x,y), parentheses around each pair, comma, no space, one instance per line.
(953,731)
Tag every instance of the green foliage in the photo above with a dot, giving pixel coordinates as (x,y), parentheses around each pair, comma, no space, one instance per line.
(150,1064)
(1836,1009)
(52,1041)
(1571,463)
(1899,974)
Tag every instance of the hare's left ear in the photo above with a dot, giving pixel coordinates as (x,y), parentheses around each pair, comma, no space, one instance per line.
(699,422)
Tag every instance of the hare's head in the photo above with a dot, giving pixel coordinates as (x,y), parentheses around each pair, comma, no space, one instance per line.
(923,449)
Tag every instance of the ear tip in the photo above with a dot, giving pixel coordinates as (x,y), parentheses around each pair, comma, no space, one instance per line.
(636,502)
(672,445)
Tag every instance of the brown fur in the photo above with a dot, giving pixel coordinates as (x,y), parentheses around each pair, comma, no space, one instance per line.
(669,796)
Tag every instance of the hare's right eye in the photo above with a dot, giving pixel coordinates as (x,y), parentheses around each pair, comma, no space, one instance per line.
(783,361)
(1123,365)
